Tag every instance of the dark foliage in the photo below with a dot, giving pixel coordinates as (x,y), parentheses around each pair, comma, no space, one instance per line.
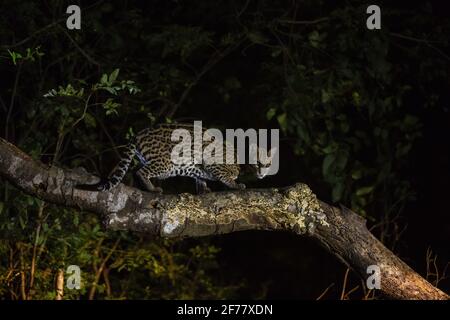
(364,117)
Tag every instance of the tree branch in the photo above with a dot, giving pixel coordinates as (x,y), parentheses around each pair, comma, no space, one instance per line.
(294,209)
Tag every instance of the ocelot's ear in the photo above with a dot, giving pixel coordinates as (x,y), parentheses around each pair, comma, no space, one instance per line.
(270,153)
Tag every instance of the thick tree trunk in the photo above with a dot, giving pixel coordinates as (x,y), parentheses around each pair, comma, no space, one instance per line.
(294,209)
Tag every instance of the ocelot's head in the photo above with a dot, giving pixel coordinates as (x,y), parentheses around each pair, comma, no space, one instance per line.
(263,162)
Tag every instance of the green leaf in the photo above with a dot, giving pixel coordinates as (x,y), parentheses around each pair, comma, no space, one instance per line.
(345,126)
(22,222)
(410,120)
(356,99)
(113,75)
(302,131)
(364,190)
(337,192)
(111,90)
(15,56)
(356,174)
(2,205)
(331,148)
(327,162)
(314,38)
(325,96)
(104,79)
(341,160)
(282,121)
(257,37)
(41,239)
(90,120)
(271,113)
(76,220)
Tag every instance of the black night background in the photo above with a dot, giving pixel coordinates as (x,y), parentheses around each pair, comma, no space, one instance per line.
(363,115)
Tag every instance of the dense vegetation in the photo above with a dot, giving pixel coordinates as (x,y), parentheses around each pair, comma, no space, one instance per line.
(359,112)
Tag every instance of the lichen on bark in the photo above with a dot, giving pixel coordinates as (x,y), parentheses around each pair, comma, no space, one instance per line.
(295,208)
(305,208)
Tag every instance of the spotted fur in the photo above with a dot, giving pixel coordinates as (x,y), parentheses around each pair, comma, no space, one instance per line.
(153,147)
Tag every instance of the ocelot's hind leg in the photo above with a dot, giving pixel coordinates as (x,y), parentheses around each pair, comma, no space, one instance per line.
(144,175)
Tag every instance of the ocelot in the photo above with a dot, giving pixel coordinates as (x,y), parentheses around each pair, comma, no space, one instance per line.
(153,148)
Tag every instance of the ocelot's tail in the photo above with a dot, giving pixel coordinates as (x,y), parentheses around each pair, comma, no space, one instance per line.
(116,176)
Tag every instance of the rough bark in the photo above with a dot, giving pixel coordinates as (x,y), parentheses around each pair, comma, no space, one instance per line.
(293,209)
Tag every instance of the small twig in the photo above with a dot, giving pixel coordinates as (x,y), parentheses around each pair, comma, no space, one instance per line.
(100,270)
(22,274)
(347,295)
(33,34)
(86,105)
(344,284)
(243,8)
(63,133)
(107,282)
(13,96)
(319,20)
(399,35)
(84,53)
(208,66)
(431,260)
(369,293)
(424,41)
(35,246)
(108,135)
(325,291)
